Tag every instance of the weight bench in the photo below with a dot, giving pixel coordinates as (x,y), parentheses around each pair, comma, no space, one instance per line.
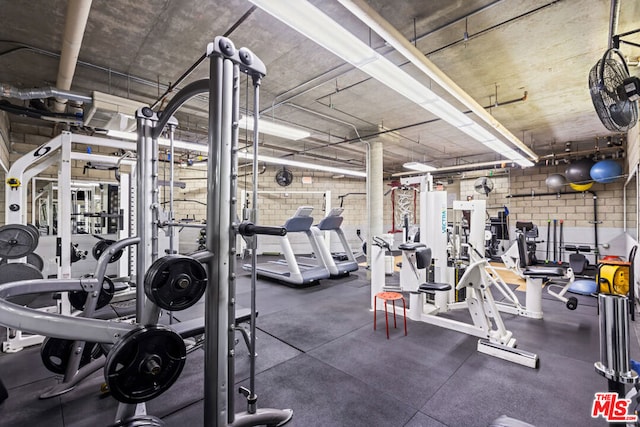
(193,328)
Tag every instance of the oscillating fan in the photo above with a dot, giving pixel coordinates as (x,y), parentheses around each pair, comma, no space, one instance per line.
(284,177)
(483,185)
(613,92)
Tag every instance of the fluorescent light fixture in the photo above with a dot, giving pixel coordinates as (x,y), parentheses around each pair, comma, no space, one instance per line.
(272,128)
(181,145)
(417,166)
(203,148)
(311,22)
(302,165)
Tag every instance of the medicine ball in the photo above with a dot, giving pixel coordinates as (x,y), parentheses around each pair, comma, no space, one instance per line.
(606,171)
(579,171)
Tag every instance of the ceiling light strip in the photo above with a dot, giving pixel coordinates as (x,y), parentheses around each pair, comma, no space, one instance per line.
(273,128)
(302,165)
(392,36)
(315,25)
(202,148)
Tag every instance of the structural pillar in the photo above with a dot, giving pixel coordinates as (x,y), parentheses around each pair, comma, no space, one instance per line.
(375,193)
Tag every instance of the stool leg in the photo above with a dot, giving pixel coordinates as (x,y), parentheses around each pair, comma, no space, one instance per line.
(386,318)
(394,314)
(404,312)
(375,308)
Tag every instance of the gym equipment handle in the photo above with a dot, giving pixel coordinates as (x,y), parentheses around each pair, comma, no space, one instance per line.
(249,229)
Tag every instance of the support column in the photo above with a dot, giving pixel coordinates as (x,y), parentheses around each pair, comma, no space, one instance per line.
(375,194)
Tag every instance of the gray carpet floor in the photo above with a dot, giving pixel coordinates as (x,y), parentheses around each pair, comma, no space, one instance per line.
(319,355)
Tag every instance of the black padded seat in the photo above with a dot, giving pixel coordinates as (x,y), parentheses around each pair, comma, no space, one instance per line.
(433,287)
(544,271)
(411,246)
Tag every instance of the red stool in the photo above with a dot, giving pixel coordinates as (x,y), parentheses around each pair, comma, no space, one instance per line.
(389,296)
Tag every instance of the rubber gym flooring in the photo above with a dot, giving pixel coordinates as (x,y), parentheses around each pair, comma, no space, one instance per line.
(319,355)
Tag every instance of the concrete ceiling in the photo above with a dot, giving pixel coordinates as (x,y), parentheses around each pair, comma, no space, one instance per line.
(543,48)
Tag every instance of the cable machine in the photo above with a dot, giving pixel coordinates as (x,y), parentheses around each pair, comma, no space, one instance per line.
(145,358)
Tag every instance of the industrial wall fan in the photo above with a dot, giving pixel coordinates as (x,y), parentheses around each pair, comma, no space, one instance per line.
(613,92)
(284,177)
(483,185)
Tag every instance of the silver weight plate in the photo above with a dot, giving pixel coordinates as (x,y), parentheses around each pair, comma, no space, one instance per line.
(17,241)
(16,271)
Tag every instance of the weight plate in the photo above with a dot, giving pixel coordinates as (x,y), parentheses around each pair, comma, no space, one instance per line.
(144,363)
(34,230)
(175,282)
(56,352)
(33,259)
(17,241)
(101,246)
(16,271)
(79,298)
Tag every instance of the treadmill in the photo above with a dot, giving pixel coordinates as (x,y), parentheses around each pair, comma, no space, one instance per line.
(338,266)
(289,270)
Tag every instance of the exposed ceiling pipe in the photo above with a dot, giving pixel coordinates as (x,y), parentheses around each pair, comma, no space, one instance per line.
(76,22)
(390,34)
(9,91)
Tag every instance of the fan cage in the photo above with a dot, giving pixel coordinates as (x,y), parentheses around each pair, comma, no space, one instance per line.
(605,77)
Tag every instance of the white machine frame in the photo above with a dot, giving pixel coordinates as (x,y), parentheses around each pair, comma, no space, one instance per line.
(58,152)
(487,322)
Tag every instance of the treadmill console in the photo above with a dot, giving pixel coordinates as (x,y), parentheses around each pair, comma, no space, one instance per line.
(303,211)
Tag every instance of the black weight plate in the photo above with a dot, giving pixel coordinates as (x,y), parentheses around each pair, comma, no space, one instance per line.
(35,260)
(103,245)
(35,232)
(79,298)
(55,354)
(16,271)
(175,282)
(17,241)
(144,363)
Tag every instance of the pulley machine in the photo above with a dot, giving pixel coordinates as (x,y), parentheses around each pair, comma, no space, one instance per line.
(144,357)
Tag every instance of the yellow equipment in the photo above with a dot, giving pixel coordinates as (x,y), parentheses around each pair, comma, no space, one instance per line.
(613,277)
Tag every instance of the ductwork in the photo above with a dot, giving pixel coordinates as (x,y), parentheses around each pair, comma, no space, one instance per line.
(8,91)
(76,22)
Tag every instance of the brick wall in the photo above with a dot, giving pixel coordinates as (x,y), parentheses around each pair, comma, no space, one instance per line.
(277,203)
(575,209)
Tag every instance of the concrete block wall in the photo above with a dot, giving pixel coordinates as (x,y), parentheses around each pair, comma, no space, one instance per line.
(276,204)
(576,209)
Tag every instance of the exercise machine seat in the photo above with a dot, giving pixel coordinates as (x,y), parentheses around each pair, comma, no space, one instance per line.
(434,287)
(578,263)
(544,271)
(411,246)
